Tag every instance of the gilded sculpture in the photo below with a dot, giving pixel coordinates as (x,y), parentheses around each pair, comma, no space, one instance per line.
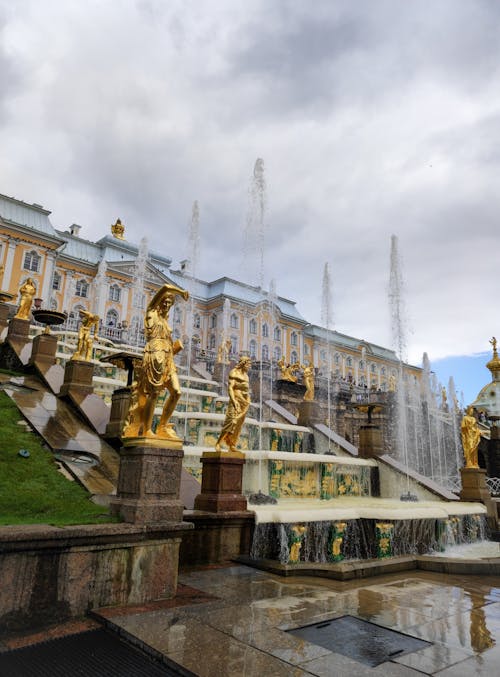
(157,371)
(239,401)
(308,372)
(118,230)
(288,370)
(27,291)
(471,436)
(85,337)
(223,351)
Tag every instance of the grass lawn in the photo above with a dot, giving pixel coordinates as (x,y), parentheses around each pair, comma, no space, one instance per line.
(32,490)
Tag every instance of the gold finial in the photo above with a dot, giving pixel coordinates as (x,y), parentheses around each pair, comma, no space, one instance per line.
(118,230)
(494,364)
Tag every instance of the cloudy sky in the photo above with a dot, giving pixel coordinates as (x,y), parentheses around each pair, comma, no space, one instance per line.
(373,118)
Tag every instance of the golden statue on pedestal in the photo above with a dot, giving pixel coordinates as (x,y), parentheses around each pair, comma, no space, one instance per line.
(223,351)
(85,337)
(239,401)
(27,291)
(308,372)
(471,436)
(158,370)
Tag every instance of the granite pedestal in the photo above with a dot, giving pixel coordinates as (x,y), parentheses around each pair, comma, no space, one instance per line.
(79,390)
(149,482)
(15,351)
(78,375)
(221,482)
(120,404)
(43,361)
(474,488)
(370,441)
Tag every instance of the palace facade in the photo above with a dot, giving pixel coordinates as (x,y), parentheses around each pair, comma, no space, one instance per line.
(115,278)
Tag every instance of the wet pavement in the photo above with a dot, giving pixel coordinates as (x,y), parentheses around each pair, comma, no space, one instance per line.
(238,623)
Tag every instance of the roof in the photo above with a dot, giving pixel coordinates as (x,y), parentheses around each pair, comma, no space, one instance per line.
(31,216)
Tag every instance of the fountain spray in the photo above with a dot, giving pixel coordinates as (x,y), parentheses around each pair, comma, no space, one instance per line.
(326,321)
(194,255)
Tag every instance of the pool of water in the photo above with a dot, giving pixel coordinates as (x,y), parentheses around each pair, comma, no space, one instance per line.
(479,550)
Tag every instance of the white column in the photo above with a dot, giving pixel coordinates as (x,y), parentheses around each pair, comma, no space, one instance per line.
(46,293)
(8,263)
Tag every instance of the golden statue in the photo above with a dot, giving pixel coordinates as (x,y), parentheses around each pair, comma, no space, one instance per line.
(27,291)
(85,337)
(223,351)
(392,383)
(239,401)
(471,437)
(157,371)
(308,372)
(118,230)
(296,538)
(287,370)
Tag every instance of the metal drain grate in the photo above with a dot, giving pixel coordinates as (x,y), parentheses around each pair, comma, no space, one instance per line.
(364,641)
(96,653)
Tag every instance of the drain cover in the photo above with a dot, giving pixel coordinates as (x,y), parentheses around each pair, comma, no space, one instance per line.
(364,641)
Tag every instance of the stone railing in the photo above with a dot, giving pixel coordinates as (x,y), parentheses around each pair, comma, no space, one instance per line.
(493,485)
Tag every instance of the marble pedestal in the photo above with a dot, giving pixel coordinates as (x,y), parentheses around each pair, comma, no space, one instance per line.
(370,441)
(78,375)
(149,482)
(221,482)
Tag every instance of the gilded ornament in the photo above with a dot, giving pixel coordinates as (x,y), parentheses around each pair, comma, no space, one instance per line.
(85,337)
(308,372)
(118,230)
(239,401)
(471,436)
(27,291)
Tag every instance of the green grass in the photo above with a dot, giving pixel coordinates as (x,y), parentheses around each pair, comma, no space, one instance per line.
(32,490)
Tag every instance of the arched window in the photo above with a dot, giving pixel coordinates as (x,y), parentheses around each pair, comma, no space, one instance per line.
(234,321)
(294,358)
(293,339)
(32,261)
(56,281)
(322,355)
(111,318)
(196,321)
(253,349)
(306,349)
(382,371)
(361,365)
(361,381)
(277,334)
(115,293)
(265,330)
(265,352)
(213,322)
(82,289)
(336,358)
(277,353)
(253,326)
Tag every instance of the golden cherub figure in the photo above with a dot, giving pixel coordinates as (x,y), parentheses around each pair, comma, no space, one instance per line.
(158,370)
(471,436)
(27,291)
(239,401)
(85,337)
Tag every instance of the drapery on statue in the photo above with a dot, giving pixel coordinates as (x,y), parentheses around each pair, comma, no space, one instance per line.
(85,337)
(223,351)
(27,291)
(308,372)
(157,371)
(288,370)
(471,437)
(239,401)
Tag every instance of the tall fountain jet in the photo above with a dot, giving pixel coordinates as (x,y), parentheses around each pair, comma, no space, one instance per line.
(138,291)
(254,236)
(327,321)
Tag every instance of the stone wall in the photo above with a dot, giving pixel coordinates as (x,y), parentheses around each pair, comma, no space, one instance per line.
(51,574)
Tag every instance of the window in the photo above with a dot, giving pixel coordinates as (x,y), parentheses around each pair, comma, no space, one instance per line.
(277,353)
(196,321)
(212,342)
(111,318)
(265,352)
(373,369)
(336,359)
(32,261)
(277,334)
(382,371)
(322,355)
(234,321)
(294,358)
(53,304)
(253,326)
(177,334)
(253,349)
(82,289)
(293,339)
(349,361)
(56,281)
(306,349)
(213,322)
(114,292)
(265,330)
(177,314)
(361,365)
(234,345)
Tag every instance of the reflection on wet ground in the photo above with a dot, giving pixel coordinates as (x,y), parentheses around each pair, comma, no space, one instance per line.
(94,462)
(243,630)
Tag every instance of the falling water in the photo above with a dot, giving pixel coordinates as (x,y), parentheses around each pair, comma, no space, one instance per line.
(193,257)
(398,326)
(99,285)
(326,320)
